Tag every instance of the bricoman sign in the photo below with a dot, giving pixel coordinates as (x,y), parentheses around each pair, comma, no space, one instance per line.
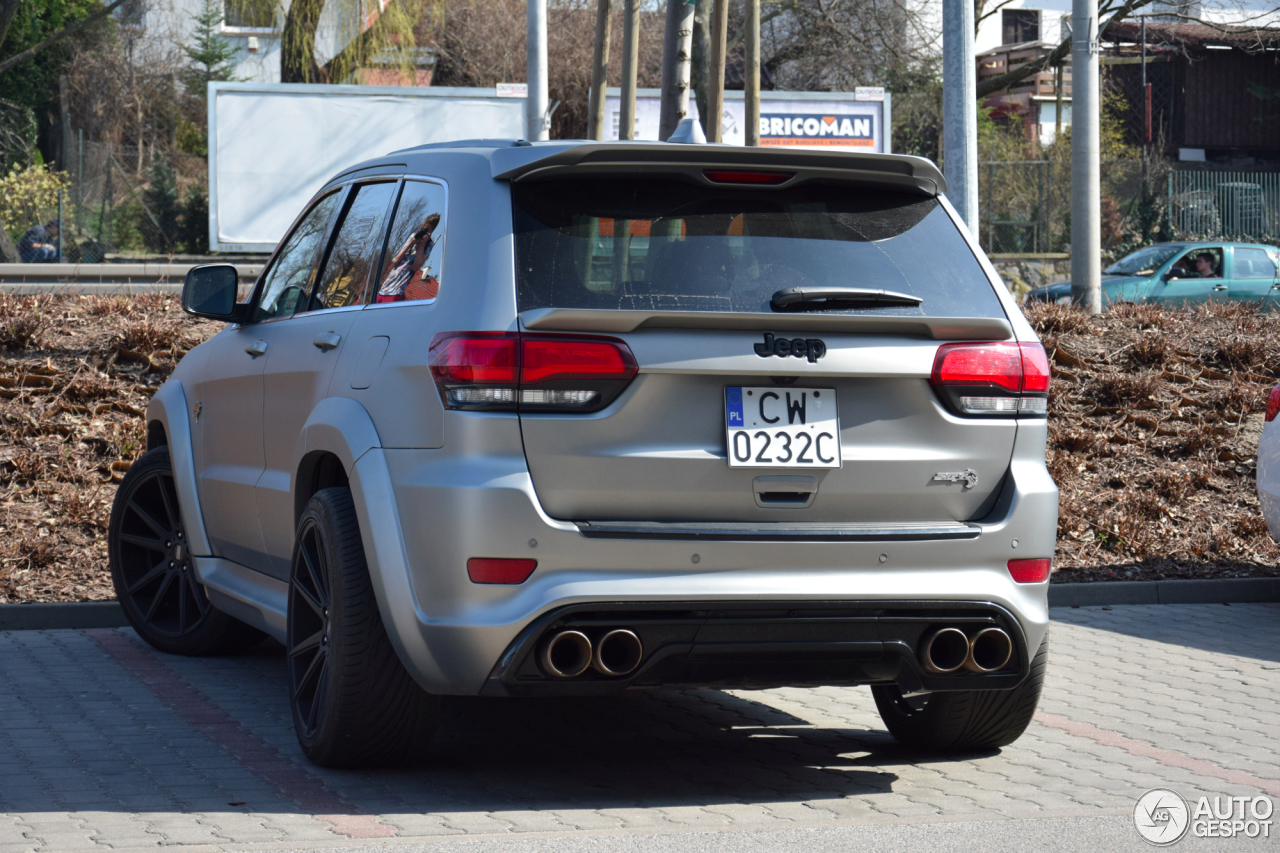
(852,121)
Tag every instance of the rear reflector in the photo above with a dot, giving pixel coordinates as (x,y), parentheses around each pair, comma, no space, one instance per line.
(1030,571)
(1273,404)
(727,176)
(496,570)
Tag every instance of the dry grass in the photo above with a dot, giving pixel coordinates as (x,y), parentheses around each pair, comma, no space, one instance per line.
(1154,419)
(71,397)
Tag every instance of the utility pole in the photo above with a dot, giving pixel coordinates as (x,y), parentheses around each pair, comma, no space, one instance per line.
(751,70)
(715,85)
(599,71)
(630,58)
(537,121)
(676,43)
(960,109)
(1086,182)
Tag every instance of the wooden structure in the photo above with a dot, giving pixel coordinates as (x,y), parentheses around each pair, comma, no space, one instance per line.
(1001,60)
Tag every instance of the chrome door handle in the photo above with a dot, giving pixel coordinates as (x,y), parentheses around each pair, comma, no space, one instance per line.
(326,341)
(1219,287)
(256,348)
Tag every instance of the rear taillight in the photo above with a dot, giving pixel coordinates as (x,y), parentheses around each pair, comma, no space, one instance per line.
(1030,571)
(531,372)
(1273,404)
(1000,378)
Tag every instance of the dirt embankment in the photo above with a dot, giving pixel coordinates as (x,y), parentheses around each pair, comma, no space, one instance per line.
(1154,423)
(1154,418)
(75,376)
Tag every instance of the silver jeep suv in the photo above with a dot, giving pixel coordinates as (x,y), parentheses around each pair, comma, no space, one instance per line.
(571,419)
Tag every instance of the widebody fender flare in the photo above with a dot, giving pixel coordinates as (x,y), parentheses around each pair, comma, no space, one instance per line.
(343,427)
(169,408)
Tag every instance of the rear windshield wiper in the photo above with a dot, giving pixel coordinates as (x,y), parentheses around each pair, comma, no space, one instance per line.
(825,298)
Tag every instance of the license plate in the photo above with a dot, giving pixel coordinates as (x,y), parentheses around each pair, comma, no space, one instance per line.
(777,427)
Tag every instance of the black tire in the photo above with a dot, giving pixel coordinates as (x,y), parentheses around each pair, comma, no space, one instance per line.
(152,571)
(353,702)
(962,720)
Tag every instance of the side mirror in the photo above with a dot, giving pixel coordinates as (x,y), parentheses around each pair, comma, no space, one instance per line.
(210,291)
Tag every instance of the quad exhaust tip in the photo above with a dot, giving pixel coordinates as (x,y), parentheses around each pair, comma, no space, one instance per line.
(618,653)
(989,650)
(945,650)
(567,654)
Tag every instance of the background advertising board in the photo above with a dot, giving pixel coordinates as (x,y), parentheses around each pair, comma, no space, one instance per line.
(272,146)
(853,121)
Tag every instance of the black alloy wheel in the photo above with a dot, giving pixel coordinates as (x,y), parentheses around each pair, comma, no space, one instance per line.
(153,572)
(309,628)
(354,704)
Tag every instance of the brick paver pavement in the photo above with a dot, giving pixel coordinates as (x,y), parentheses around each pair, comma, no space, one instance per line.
(107,744)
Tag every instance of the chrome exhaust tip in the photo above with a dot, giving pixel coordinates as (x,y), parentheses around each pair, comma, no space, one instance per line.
(618,653)
(945,650)
(989,650)
(566,655)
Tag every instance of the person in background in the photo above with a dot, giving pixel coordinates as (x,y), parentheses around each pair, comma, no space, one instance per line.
(40,244)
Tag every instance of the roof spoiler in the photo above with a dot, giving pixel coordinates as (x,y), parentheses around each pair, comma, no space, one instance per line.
(897,171)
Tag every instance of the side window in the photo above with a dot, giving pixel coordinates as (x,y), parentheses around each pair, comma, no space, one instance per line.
(411,268)
(290,277)
(356,248)
(1198,263)
(1254,263)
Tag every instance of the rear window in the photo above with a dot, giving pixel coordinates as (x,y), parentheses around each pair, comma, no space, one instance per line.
(666,244)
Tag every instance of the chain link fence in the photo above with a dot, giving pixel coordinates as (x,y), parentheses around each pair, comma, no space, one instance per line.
(134,201)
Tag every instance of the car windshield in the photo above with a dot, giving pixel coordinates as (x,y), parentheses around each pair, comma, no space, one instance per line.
(1144,261)
(669,244)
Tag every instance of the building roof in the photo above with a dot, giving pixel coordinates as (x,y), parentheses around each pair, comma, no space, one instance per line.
(1194,34)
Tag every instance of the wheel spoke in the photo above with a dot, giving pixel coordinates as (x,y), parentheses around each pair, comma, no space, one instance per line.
(315,569)
(143,542)
(309,598)
(170,507)
(197,594)
(308,644)
(146,517)
(317,700)
(182,604)
(155,571)
(160,593)
(316,665)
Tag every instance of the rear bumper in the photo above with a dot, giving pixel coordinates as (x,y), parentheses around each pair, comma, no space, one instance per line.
(425,512)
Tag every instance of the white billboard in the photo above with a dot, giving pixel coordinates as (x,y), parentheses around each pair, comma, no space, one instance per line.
(851,121)
(271,146)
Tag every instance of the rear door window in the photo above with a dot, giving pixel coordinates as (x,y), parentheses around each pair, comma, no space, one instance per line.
(667,244)
(356,247)
(1253,263)
(412,266)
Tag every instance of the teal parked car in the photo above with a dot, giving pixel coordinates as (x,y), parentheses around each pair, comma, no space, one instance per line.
(1185,273)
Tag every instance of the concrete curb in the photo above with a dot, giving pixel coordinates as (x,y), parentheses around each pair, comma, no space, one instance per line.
(1213,591)
(69,614)
(107,614)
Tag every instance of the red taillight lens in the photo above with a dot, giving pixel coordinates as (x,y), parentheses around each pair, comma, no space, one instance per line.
(979,364)
(1035,369)
(480,358)
(575,358)
(738,176)
(1016,374)
(548,373)
(496,570)
(1030,571)
(1273,404)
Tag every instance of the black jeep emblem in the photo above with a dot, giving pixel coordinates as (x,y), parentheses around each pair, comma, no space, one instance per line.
(810,348)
